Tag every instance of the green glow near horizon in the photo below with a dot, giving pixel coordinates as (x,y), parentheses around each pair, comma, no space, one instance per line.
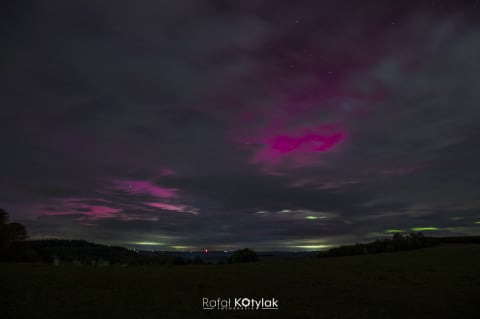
(477,222)
(424,228)
(311,217)
(312,247)
(392,231)
(147,243)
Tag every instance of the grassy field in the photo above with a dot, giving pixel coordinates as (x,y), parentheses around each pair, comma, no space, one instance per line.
(440,282)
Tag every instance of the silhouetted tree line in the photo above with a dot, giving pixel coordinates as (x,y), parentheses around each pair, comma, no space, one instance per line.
(14,247)
(398,242)
(83,253)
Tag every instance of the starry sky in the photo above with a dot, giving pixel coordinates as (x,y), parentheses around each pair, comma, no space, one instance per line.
(269,124)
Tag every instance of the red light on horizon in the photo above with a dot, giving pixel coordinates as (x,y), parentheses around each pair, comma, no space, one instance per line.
(206,250)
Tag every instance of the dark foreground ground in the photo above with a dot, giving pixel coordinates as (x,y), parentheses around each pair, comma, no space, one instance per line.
(439,282)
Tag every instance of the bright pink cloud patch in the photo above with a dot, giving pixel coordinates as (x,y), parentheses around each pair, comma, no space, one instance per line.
(298,147)
(144,187)
(172,207)
(89,212)
(309,142)
(100,212)
(78,206)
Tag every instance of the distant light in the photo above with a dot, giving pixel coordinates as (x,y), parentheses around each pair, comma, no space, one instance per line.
(311,217)
(285,211)
(206,250)
(424,228)
(477,222)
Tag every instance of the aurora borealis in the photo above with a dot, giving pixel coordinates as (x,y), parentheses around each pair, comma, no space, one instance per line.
(265,124)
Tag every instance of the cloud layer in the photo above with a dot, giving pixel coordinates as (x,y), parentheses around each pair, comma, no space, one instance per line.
(227,124)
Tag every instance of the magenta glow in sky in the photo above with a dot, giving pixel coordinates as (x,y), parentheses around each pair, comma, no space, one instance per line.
(144,187)
(227,123)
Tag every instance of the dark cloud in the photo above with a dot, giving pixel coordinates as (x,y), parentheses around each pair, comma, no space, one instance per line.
(223,124)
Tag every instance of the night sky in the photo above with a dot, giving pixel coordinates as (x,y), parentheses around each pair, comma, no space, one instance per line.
(274,125)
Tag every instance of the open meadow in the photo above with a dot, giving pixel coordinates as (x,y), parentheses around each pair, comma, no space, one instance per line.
(438,282)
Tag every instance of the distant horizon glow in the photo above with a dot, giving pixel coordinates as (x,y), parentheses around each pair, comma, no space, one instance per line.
(147,243)
(424,228)
(311,247)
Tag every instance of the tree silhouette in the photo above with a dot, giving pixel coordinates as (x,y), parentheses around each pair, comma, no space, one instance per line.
(3,229)
(10,232)
(3,217)
(243,255)
(16,232)
(398,242)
